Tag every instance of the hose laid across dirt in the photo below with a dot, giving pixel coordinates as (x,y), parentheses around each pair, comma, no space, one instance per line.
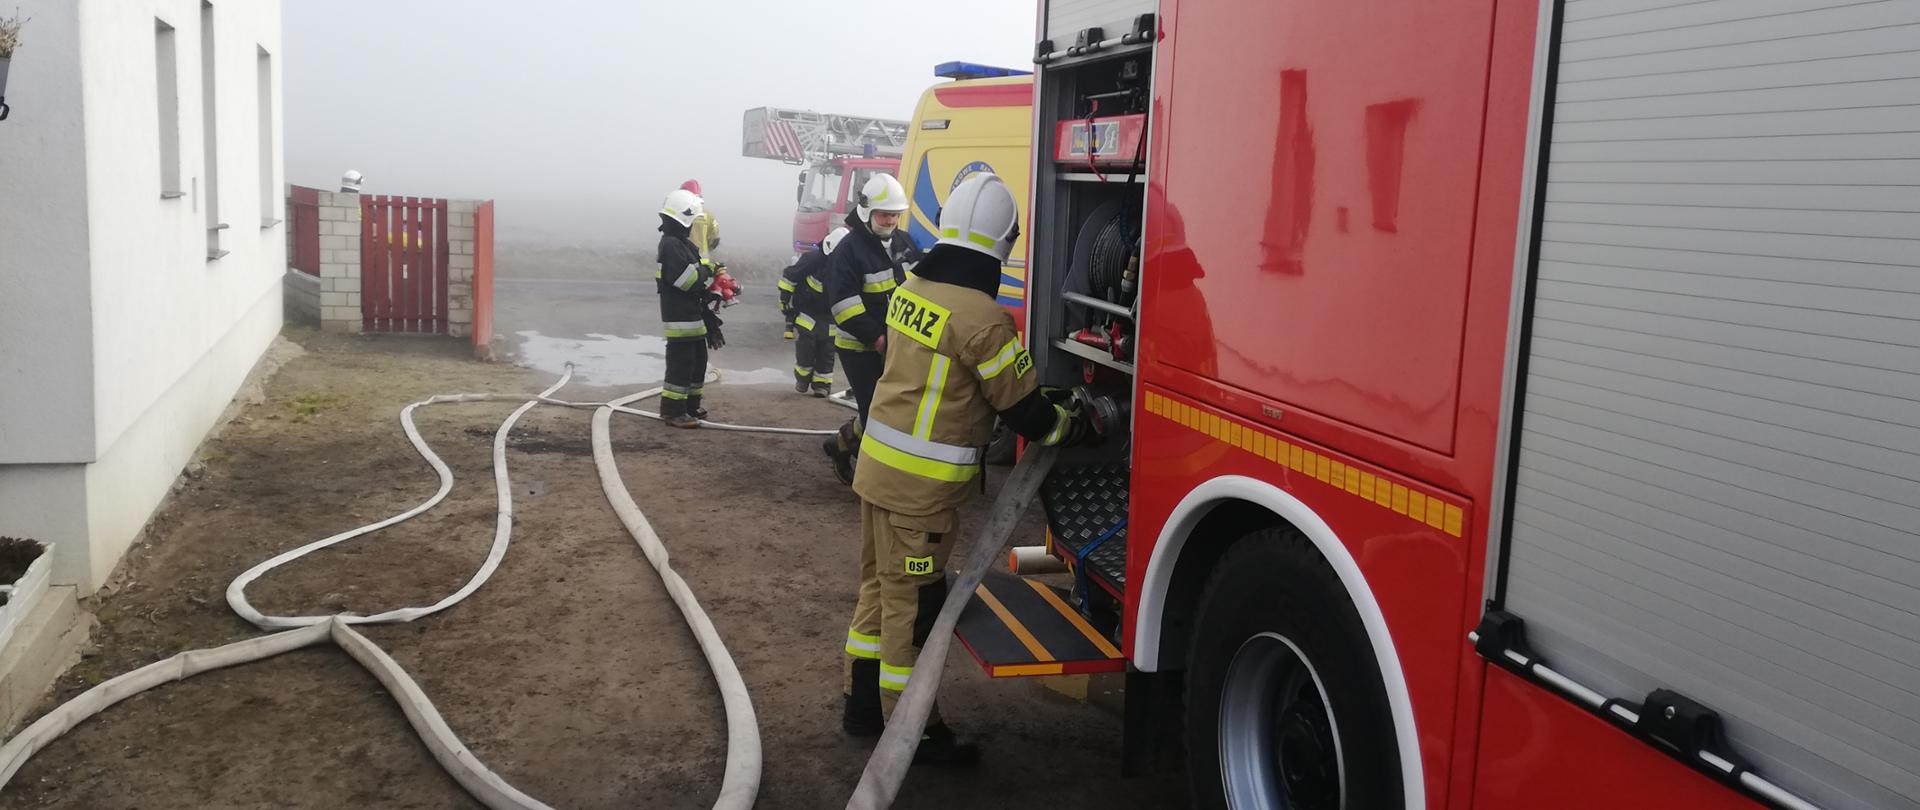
(893,754)
(740,784)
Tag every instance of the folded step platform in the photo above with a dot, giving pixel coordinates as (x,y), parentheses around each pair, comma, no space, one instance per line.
(1019,627)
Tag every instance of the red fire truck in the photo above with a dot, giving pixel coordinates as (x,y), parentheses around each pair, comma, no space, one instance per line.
(1508,404)
(837,154)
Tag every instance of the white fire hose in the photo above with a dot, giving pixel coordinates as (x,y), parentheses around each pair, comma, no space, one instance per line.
(893,755)
(741,781)
(879,783)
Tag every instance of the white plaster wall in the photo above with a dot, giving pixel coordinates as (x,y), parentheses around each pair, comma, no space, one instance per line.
(133,476)
(160,307)
(46,333)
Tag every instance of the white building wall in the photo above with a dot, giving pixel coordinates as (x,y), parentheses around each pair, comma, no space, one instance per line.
(46,329)
(159,305)
(164,335)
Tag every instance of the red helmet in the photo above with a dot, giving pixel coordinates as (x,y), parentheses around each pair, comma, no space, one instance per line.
(691,185)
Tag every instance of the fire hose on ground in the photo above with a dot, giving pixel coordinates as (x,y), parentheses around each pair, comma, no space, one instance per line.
(880,781)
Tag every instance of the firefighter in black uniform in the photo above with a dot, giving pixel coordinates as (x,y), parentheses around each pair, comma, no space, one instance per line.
(862,274)
(684,283)
(803,299)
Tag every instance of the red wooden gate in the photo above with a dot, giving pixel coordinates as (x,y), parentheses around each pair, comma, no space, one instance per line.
(303,207)
(403,264)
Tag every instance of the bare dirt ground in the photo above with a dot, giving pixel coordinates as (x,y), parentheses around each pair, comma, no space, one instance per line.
(571,672)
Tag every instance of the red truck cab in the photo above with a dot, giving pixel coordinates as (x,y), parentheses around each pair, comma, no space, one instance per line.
(827,191)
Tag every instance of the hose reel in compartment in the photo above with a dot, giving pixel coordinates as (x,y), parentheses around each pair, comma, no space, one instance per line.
(1102,283)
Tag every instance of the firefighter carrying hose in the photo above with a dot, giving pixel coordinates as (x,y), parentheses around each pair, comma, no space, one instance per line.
(954,362)
(803,298)
(862,273)
(685,285)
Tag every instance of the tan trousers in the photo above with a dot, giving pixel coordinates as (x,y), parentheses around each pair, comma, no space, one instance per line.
(903,563)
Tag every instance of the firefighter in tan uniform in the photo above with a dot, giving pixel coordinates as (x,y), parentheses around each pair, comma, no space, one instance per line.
(953,362)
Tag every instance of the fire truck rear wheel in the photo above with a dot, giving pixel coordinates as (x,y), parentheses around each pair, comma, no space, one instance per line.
(1285,706)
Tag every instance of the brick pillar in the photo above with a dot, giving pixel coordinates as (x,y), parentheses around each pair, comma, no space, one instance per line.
(339,262)
(460,267)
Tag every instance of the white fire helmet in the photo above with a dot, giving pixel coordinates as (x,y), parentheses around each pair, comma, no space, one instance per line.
(881,193)
(833,240)
(350,182)
(682,206)
(980,215)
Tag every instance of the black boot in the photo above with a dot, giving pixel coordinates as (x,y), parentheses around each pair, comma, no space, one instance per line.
(693,407)
(940,746)
(860,715)
(822,390)
(841,448)
(801,384)
(674,413)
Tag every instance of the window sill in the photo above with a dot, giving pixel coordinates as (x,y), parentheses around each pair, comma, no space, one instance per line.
(216,255)
(219,227)
(172,195)
(269,224)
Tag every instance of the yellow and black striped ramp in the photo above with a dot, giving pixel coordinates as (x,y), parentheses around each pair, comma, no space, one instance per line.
(1016,627)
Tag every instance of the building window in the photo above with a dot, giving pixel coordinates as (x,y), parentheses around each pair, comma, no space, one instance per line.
(210,132)
(269,190)
(167,93)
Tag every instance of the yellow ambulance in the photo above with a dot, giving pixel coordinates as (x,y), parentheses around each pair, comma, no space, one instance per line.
(980,122)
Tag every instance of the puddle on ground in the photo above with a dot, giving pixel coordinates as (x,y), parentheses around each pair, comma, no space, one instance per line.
(611,360)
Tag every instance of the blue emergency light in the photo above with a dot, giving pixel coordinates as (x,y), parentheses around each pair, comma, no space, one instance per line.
(969,70)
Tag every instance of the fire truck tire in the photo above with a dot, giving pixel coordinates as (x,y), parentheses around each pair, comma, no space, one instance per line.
(1285,703)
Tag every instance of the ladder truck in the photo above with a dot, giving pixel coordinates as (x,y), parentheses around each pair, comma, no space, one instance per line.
(1507,405)
(836,153)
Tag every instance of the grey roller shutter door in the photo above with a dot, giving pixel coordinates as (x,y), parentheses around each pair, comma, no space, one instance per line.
(1718,479)
(1067,18)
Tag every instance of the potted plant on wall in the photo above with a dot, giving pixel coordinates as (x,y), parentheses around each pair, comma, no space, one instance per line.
(24,566)
(9,39)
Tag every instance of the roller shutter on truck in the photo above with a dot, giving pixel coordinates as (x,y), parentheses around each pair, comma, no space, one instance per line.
(1715,460)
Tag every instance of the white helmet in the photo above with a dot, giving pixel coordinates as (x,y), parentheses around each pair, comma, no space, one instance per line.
(980,215)
(833,240)
(350,182)
(682,206)
(881,193)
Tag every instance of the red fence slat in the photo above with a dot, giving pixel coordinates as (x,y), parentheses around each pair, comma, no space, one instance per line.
(303,208)
(440,266)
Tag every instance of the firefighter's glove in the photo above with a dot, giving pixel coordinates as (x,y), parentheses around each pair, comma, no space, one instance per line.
(1078,421)
(715,339)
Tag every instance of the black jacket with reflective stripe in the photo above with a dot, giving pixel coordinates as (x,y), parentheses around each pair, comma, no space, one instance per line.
(807,299)
(678,256)
(859,255)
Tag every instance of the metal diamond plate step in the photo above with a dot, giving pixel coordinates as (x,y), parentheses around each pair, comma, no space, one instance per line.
(1083,503)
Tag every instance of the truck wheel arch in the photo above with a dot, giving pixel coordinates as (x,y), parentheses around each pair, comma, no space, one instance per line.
(1229,490)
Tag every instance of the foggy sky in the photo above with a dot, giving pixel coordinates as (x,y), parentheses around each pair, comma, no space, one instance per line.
(578,116)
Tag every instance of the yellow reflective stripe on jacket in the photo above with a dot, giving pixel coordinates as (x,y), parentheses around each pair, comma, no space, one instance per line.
(1002,360)
(848,308)
(786,285)
(842,340)
(927,459)
(688,278)
(686,328)
(816,285)
(878,282)
(805,321)
(930,399)
(861,645)
(919,319)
